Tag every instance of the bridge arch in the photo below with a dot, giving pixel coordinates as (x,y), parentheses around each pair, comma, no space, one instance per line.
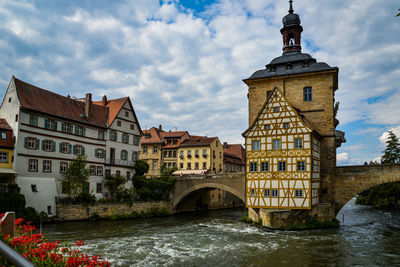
(353,180)
(177,199)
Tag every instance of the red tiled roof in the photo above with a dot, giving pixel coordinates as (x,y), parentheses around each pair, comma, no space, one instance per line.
(4,125)
(114,106)
(173,134)
(154,136)
(233,159)
(236,150)
(41,100)
(9,141)
(198,142)
(198,137)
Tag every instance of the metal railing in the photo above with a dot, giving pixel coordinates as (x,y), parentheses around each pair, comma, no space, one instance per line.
(13,256)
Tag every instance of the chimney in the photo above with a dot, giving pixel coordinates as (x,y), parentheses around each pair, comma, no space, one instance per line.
(104,100)
(225,145)
(88,103)
(160,127)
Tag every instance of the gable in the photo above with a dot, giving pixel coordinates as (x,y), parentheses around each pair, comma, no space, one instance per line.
(277,117)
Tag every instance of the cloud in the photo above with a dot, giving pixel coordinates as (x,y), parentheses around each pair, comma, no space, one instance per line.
(342,157)
(384,137)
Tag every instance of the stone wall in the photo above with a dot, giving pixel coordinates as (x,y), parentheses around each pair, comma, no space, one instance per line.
(352,180)
(70,212)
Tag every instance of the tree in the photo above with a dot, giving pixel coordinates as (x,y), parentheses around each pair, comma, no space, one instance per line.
(141,167)
(114,183)
(398,15)
(77,177)
(391,155)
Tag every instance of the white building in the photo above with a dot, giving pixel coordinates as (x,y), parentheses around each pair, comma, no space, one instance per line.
(51,129)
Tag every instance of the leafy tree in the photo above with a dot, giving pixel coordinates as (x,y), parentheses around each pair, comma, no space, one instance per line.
(77,177)
(114,183)
(398,15)
(391,155)
(141,167)
(167,172)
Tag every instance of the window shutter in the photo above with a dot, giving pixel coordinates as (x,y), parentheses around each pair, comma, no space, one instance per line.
(43,141)
(95,152)
(83,150)
(55,125)
(60,146)
(69,149)
(46,123)
(116,136)
(37,143)
(121,154)
(84,131)
(63,127)
(54,146)
(110,134)
(104,153)
(76,129)
(127,138)
(74,149)
(26,142)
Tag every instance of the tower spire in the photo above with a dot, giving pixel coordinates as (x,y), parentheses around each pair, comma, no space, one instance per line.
(291,7)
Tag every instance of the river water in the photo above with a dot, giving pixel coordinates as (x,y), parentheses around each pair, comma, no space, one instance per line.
(367,237)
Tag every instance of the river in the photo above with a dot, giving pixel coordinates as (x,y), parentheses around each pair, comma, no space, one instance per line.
(367,237)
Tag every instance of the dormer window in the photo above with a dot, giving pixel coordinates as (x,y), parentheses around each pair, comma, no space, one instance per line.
(289,66)
(147,136)
(272,69)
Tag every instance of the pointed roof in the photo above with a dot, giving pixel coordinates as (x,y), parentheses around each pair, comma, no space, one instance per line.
(198,142)
(300,117)
(37,99)
(235,150)
(151,136)
(114,106)
(4,125)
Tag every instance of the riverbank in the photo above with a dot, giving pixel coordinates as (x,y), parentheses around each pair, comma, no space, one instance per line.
(384,196)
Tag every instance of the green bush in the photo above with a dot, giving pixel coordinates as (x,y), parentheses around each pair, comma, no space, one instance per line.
(384,196)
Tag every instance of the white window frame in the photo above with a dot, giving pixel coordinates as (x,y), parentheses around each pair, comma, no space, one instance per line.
(255,145)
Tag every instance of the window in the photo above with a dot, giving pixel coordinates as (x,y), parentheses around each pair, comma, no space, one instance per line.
(204,165)
(155,149)
(118,172)
(301,166)
(48,145)
(220,155)
(136,140)
(276,109)
(216,143)
(126,113)
(196,153)
(50,124)
(124,154)
(189,153)
(99,188)
(286,125)
(16,118)
(189,166)
(119,123)
(79,150)
(101,135)
(252,192)
(33,120)
(99,153)
(134,156)
(9,100)
(253,166)
(275,192)
(108,172)
(128,175)
(204,153)
(33,165)
(196,166)
(3,135)
(79,130)
(132,127)
(282,166)
(99,170)
(299,193)
(154,165)
(264,166)
(180,165)
(266,127)
(65,148)
(307,94)
(31,142)
(63,167)
(266,193)
(125,138)
(298,143)
(49,210)
(46,165)
(66,127)
(34,188)
(92,170)
(269,92)
(113,135)
(256,146)
(144,149)
(276,144)
(4,157)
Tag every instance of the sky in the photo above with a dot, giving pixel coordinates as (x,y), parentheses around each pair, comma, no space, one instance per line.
(182,62)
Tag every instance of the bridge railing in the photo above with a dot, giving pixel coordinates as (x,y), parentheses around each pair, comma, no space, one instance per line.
(210,176)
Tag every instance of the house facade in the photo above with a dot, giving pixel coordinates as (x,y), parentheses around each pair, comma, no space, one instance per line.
(234,158)
(51,130)
(292,138)
(7,173)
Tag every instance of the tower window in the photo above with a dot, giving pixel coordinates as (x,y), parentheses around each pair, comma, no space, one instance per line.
(276,109)
(307,93)
(290,38)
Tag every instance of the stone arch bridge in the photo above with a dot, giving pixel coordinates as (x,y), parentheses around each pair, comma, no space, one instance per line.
(353,180)
(189,188)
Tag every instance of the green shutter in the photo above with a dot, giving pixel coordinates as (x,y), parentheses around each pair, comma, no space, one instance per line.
(26,142)
(63,127)
(60,146)
(84,131)
(74,149)
(95,152)
(69,148)
(46,123)
(104,153)
(76,129)
(83,150)
(55,125)
(116,136)
(37,143)
(43,144)
(54,146)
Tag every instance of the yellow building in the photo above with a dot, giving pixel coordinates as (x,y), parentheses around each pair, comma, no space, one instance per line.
(151,150)
(282,152)
(7,174)
(292,114)
(200,155)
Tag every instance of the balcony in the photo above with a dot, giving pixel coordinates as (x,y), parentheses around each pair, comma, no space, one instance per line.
(120,162)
